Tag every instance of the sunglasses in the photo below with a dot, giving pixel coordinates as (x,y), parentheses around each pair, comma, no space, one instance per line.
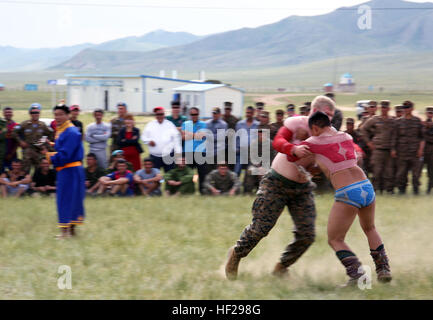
(159,114)
(175,107)
(34,112)
(193,114)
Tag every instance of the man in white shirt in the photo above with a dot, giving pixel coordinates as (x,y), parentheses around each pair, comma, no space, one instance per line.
(163,140)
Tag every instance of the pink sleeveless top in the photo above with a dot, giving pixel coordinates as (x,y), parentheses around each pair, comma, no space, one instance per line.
(335,152)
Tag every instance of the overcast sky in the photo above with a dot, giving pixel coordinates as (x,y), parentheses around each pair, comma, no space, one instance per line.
(55,23)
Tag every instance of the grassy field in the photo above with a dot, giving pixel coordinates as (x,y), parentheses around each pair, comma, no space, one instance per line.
(175,248)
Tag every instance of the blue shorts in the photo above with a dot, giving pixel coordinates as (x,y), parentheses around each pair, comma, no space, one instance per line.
(359,194)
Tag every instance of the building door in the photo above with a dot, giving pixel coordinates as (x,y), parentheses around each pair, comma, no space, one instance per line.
(106,100)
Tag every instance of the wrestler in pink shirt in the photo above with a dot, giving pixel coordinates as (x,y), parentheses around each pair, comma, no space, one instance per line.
(335,154)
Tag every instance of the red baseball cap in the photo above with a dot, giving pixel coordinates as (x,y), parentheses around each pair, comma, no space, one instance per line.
(158,109)
(74,107)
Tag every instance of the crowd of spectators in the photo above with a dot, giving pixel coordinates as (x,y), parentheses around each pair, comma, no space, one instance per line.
(188,154)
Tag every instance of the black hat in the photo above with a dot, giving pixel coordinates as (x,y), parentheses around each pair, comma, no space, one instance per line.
(228,104)
(175,103)
(260,104)
(63,107)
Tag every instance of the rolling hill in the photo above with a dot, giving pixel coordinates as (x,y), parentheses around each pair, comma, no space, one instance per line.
(397,27)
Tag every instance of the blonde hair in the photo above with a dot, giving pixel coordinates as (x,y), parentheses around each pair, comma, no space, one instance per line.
(321,102)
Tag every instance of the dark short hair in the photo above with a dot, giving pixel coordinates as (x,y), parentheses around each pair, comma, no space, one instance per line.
(147,160)
(91,154)
(62,107)
(98,110)
(7,108)
(17,161)
(251,108)
(319,119)
(330,95)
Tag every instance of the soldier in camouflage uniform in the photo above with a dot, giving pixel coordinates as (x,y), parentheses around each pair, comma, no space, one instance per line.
(230,119)
(428,150)
(408,146)
(117,123)
(28,134)
(221,181)
(275,126)
(371,112)
(398,114)
(3,132)
(377,132)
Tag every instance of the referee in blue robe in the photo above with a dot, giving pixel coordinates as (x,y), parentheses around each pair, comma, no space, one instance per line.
(67,160)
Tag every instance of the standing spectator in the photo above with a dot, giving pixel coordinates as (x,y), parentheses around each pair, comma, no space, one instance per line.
(304,111)
(193,132)
(275,126)
(28,135)
(222,181)
(218,127)
(11,143)
(180,180)
(260,106)
(127,141)
(120,182)
(163,140)
(3,132)
(16,181)
(230,119)
(117,123)
(243,132)
(398,111)
(370,112)
(428,150)
(291,110)
(408,147)
(44,179)
(377,134)
(176,118)
(337,119)
(93,173)
(73,116)
(148,179)
(97,135)
(350,129)
(264,120)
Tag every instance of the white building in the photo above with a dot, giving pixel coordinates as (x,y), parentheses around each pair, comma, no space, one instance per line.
(347,83)
(206,96)
(140,92)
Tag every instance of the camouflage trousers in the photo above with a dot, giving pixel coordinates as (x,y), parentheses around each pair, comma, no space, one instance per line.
(274,194)
(403,167)
(382,166)
(31,157)
(428,160)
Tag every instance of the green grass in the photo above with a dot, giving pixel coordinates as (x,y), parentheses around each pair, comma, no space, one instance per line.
(175,248)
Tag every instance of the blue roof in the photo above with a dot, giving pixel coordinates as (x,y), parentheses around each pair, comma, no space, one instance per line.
(203,87)
(2,85)
(347,75)
(329,84)
(126,76)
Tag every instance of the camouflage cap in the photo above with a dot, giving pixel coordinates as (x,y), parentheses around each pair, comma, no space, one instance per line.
(372,103)
(350,120)
(290,107)
(385,103)
(398,107)
(264,113)
(279,112)
(408,104)
(216,110)
(429,109)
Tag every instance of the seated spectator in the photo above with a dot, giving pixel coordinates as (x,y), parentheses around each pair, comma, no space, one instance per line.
(148,179)
(118,155)
(119,182)
(44,179)
(127,141)
(180,179)
(222,181)
(93,173)
(16,181)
